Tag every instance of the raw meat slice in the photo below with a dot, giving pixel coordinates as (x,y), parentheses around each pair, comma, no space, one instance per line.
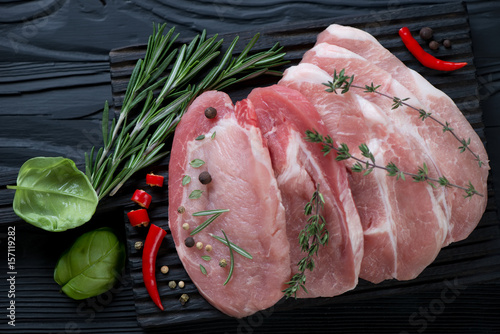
(459,168)
(432,99)
(242,181)
(284,115)
(400,238)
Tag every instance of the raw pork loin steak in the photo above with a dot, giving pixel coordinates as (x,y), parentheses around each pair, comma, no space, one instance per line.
(242,181)
(400,238)
(284,116)
(464,216)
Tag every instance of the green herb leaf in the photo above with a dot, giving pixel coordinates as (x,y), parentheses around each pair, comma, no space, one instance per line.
(206,257)
(52,194)
(186,179)
(311,237)
(200,137)
(235,247)
(213,135)
(231,266)
(203,270)
(195,194)
(371,88)
(180,73)
(91,265)
(196,163)
(209,212)
(423,115)
(205,224)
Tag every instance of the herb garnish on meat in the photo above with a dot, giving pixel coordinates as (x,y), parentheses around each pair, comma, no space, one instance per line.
(311,238)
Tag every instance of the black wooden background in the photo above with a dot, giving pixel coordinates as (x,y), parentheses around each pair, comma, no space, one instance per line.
(54,79)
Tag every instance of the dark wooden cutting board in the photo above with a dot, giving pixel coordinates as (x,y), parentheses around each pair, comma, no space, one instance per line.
(475,259)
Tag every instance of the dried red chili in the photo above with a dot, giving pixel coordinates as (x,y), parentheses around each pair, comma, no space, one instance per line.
(154,180)
(142,198)
(138,217)
(153,241)
(425,58)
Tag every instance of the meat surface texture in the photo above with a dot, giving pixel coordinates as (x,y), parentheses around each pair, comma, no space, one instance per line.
(400,238)
(243,181)
(284,116)
(463,216)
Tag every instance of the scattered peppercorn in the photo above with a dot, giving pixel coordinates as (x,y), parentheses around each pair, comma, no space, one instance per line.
(223,263)
(447,43)
(164,269)
(138,245)
(189,242)
(434,45)
(199,245)
(208,248)
(210,112)
(181,209)
(172,284)
(184,299)
(181,284)
(185,226)
(205,177)
(426,33)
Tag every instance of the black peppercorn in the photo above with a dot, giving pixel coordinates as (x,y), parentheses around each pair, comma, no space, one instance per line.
(189,242)
(434,45)
(426,33)
(210,112)
(205,178)
(447,43)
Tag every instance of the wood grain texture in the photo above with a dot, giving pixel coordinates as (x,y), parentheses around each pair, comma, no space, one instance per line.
(476,259)
(54,79)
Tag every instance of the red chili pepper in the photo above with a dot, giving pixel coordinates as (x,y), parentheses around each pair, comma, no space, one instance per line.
(138,217)
(154,180)
(425,58)
(153,241)
(142,198)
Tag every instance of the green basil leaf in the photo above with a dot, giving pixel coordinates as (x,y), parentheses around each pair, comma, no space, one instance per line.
(51,193)
(92,265)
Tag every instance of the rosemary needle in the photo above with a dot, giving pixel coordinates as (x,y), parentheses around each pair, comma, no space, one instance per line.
(205,224)
(209,212)
(231,265)
(136,140)
(235,247)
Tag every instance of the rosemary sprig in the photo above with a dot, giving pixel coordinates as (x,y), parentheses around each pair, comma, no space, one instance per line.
(235,247)
(367,166)
(311,238)
(345,82)
(209,212)
(231,255)
(135,141)
(215,214)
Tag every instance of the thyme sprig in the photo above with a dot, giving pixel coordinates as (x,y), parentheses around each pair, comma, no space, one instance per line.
(345,83)
(311,237)
(136,140)
(366,166)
